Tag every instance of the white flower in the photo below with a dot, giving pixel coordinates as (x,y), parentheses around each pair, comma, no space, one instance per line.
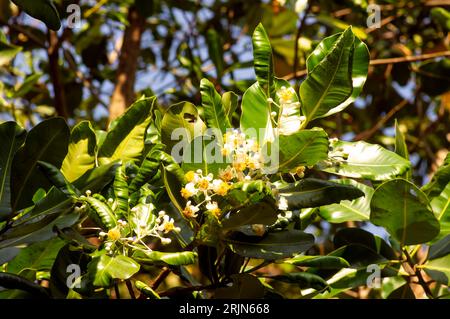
(166,241)
(301,5)
(190,211)
(282,203)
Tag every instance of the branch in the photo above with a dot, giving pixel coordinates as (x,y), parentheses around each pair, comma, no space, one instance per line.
(370,132)
(384,61)
(54,43)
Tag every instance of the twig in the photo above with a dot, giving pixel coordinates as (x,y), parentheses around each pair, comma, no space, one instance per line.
(368,133)
(418,273)
(162,275)
(405,59)
(130,289)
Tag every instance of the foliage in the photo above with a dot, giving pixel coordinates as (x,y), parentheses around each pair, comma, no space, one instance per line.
(125,207)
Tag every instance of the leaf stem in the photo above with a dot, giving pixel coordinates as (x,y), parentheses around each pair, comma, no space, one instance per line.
(418,273)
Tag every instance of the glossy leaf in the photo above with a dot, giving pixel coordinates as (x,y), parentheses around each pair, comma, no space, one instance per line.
(173,259)
(96,178)
(346,210)
(348,236)
(81,154)
(12,281)
(213,109)
(43,10)
(403,209)
(304,148)
(401,148)
(125,141)
(12,137)
(311,192)
(47,142)
(121,191)
(273,246)
(36,257)
(440,248)
(259,213)
(263,60)
(439,180)
(441,208)
(105,268)
(180,124)
(230,104)
(364,160)
(329,83)
(321,262)
(204,153)
(359,66)
(303,280)
(101,213)
(439,269)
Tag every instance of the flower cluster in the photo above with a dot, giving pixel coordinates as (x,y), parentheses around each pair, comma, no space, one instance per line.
(206,187)
(245,154)
(164,224)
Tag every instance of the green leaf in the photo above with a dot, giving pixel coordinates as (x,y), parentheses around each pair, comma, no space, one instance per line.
(36,257)
(43,10)
(364,160)
(263,60)
(146,290)
(183,122)
(213,108)
(256,114)
(12,137)
(302,279)
(125,141)
(105,268)
(57,179)
(142,217)
(349,236)
(441,208)
(403,209)
(96,178)
(276,245)
(173,178)
(311,192)
(27,85)
(440,248)
(439,269)
(403,292)
(101,213)
(330,82)
(47,142)
(121,191)
(259,213)
(148,169)
(7,52)
(81,155)
(204,153)
(440,179)
(355,210)
(359,66)
(321,262)
(230,104)
(401,148)
(358,255)
(304,148)
(215,50)
(163,258)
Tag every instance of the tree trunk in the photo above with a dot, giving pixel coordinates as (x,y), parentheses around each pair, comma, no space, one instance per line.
(123,94)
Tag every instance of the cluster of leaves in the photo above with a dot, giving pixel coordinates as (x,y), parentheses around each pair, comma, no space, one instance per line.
(83,197)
